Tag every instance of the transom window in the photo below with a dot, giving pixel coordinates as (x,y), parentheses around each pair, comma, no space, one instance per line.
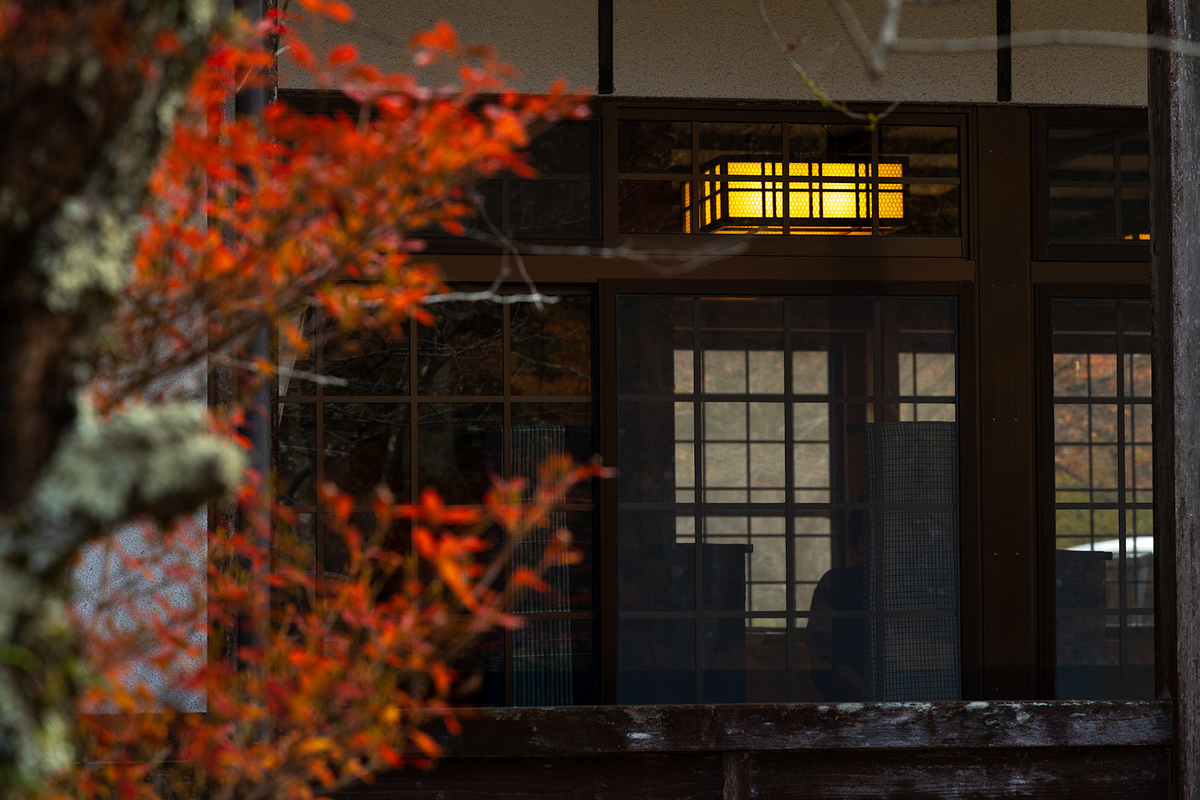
(787,177)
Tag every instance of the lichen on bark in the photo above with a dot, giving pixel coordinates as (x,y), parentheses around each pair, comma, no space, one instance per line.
(158,459)
(80,133)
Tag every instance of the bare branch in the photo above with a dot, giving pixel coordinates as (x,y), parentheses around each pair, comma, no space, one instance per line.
(1133,41)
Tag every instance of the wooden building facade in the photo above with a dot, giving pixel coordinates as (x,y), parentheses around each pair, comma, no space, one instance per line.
(879,397)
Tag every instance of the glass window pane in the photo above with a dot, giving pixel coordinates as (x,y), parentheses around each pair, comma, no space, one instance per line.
(654,146)
(829,142)
(656,561)
(551,347)
(541,430)
(559,208)
(296,353)
(655,370)
(656,661)
(1103,528)
(739,139)
(554,663)
(459,448)
(1135,157)
(871,488)
(488,198)
(372,363)
(929,209)
(296,427)
(565,148)
(1135,214)
(923,151)
(1080,154)
(1082,213)
(569,588)
(462,352)
(653,206)
(366,445)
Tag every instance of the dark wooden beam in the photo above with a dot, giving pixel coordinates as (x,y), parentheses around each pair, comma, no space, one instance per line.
(1174,94)
(610,730)
(1129,773)
(1006,400)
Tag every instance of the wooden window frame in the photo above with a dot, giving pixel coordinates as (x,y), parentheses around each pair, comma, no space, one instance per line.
(413,399)
(1046,295)
(614,111)
(1044,249)
(970,608)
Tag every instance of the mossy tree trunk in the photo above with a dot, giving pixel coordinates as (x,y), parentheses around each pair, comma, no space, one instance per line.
(87,97)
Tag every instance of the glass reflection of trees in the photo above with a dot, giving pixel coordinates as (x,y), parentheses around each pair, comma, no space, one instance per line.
(497,389)
(1103,514)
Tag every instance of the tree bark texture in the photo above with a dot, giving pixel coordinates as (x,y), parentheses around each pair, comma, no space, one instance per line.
(86,106)
(1174,92)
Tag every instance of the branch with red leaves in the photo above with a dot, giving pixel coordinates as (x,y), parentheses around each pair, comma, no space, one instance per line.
(353,670)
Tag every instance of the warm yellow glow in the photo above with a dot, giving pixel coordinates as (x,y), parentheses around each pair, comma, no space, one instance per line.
(759,205)
(687,207)
(1143,237)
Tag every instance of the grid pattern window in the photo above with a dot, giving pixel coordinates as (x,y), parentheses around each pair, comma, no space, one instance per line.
(1103,518)
(562,201)
(787,178)
(487,390)
(786,530)
(1094,193)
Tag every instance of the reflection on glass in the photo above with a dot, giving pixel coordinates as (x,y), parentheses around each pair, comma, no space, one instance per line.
(551,347)
(565,148)
(1103,525)
(739,138)
(1098,184)
(654,146)
(928,151)
(374,363)
(1080,212)
(462,352)
(296,353)
(653,207)
(764,177)
(930,209)
(367,445)
(554,663)
(1080,154)
(463,442)
(459,448)
(555,208)
(296,428)
(778,510)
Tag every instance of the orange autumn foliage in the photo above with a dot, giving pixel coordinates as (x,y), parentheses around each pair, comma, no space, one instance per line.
(330,679)
(351,674)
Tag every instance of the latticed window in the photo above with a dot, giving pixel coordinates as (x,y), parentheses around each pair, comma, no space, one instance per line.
(794,177)
(1093,197)
(1102,501)
(487,390)
(787,525)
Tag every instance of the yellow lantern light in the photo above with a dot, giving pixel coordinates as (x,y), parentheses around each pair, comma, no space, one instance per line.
(746,195)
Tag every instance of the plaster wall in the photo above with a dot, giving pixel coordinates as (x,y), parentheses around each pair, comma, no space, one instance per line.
(718,49)
(1079,75)
(543,39)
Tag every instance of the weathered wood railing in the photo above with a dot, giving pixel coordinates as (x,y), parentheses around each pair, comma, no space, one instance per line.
(1089,750)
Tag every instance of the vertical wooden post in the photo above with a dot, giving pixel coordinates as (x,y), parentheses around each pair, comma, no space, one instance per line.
(1008,530)
(1174,94)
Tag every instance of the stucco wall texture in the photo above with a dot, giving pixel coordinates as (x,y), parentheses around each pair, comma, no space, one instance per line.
(543,39)
(721,49)
(1079,75)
